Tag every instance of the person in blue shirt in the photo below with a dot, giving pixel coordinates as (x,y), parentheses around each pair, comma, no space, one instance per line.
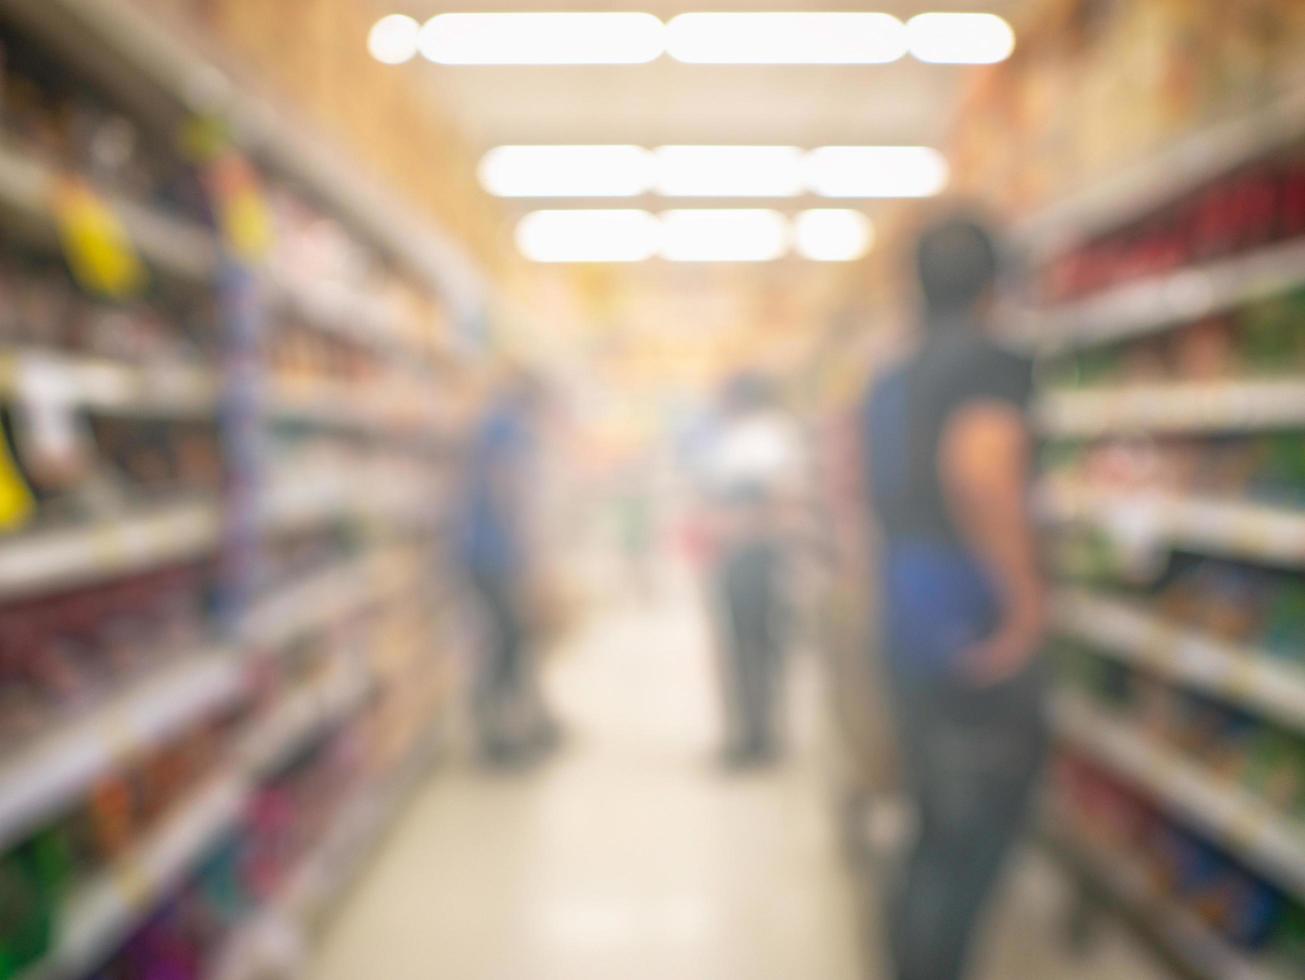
(948,453)
(493,545)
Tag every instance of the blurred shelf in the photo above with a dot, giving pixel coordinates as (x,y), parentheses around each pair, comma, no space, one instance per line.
(164,72)
(1226,406)
(1180,934)
(39,778)
(1240,822)
(168,244)
(318,600)
(111,387)
(349,407)
(1155,304)
(40,560)
(101,913)
(257,950)
(1180,169)
(302,716)
(1129,632)
(1235,528)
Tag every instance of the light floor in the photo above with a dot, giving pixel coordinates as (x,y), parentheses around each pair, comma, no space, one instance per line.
(630,857)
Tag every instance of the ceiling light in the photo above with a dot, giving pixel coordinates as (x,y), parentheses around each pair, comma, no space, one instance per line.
(832,234)
(786,38)
(729,171)
(588,236)
(567,171)
(960,39)
(876,171)
(739,235)
(543,39)
(393,39)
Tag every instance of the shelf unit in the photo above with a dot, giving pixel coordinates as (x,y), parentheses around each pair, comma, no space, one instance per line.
(303,661)
(1175,408)
(1126,631)
(1145,523)
(1244,824)
(1234,528)
(1180,935)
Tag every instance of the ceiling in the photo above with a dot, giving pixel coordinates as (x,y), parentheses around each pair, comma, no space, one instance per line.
(669,102)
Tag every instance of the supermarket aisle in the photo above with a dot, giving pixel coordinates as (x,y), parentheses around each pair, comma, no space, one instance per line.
(630,857)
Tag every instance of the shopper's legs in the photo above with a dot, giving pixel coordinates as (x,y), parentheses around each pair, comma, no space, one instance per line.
(973,758)
(747,592)
(499,668)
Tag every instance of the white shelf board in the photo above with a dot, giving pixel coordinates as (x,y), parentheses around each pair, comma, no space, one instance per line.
(40,560)
(1245,825)
(1231,527)
(1223,406)
(1129,632)
(103,385)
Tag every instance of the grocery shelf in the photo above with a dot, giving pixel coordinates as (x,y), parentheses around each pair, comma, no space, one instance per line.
(349,407)
(323,874)
(1231,527)
(321,598)
(303,714)
(39,778)
(39,560)
(1245,825)
(1129,632)
(1178,407)
(1181,934)
(100,914)
(1167,176)
(168,244)
(103,385)
(1157,303)
(147,59)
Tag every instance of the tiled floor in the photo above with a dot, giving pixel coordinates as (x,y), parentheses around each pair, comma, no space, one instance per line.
(629,857)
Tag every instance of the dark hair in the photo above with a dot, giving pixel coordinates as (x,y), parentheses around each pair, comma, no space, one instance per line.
(958,260)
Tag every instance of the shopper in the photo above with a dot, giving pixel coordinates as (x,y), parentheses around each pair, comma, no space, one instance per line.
(753,474)
(948,452)
(494,538)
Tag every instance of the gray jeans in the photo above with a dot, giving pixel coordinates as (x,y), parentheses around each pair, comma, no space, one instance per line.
(971,757)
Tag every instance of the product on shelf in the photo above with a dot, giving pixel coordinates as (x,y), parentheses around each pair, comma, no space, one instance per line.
(1258,206)
(1185,869)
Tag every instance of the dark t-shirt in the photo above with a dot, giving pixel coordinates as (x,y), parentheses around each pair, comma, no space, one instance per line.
(937,598)
(907,414)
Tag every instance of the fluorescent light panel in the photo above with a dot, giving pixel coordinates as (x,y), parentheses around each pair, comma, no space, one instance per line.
(543,39)
(729,171)
(773,38)
(393,39)
(960,39)
(567,171)
(832,234)
(617,235)
(713,171)
(786,38)
(876,171)
(718,235)
(693,235)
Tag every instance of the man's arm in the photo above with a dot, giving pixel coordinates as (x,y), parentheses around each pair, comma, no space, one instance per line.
(985,465)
